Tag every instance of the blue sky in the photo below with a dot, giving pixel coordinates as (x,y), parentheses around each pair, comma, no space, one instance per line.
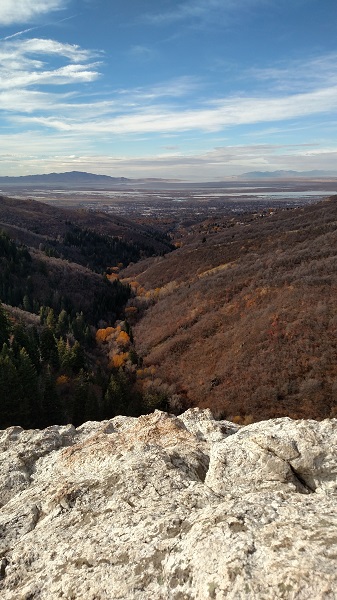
(188,89)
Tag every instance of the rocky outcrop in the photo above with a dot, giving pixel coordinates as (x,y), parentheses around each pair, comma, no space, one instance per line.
(169,508)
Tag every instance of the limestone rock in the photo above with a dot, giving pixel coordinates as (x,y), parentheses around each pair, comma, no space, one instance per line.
(169,508)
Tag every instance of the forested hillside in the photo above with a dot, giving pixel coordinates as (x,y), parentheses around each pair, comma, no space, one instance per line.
(89,238)
(66,349)
(244,320)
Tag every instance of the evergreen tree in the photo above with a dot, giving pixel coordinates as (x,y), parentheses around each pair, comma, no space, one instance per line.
(62,325)
(77,359)
(118,395)
(128,329)
(80,399)
(9,390)
(89,339)
(133,356)
(52,413)
(50,319)
(20,338)
(27,305)
(29,397)
(5,327)
(48,348)
(78,327)
(33,348)
(109,402)
(65,356)
(92,409)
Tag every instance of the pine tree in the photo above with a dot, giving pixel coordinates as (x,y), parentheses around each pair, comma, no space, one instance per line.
(77,360)
(50,319)
(52,413)
(65,356)
(116,396)
(30,401)
(5,326)
(43,314)
(20,338)
(62,324)
(78,327)
(9,390)
(27,305)
(33,348)
(80,399)
(109,399)
(48,348)
(92,408)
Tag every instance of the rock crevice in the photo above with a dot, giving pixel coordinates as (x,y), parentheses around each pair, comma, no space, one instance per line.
(170,508)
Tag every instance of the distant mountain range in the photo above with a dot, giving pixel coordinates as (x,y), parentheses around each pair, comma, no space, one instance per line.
(70,178)
(80,179)
(286,174)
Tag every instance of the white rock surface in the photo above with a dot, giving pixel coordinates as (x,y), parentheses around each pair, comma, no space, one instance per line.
(169,508)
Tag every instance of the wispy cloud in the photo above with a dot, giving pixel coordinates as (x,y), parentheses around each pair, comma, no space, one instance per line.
(212,117)
(26,102)
(46,46)
(24,11)
(19,67)
(64,75)
(175,88)
(201,10)
(24,31)
(17,34)
(299,74)
(142,53)
(169,107)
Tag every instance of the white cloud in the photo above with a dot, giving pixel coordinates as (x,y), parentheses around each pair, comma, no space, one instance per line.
(32,101)
(142,53)
(46,46)
(64,75)
(299,74)
(23,11)
(158,109)
(214,117)
(20,52)
(202,10)
(20,67)
(17,34)
(175,88)
(26,102)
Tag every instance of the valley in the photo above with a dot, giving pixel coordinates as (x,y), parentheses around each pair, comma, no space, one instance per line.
(216,297)
(169,205)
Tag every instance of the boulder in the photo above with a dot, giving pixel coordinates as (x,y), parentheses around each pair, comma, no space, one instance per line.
(169,508)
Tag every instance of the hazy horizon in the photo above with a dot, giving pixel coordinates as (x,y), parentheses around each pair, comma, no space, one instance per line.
(253,176)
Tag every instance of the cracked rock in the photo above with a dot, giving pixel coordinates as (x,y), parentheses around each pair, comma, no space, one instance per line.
(170,508)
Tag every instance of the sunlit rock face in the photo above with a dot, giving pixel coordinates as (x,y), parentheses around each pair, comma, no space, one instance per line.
(169,508)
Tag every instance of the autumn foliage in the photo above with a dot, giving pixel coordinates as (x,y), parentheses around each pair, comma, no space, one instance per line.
(249,327)
(102,335)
